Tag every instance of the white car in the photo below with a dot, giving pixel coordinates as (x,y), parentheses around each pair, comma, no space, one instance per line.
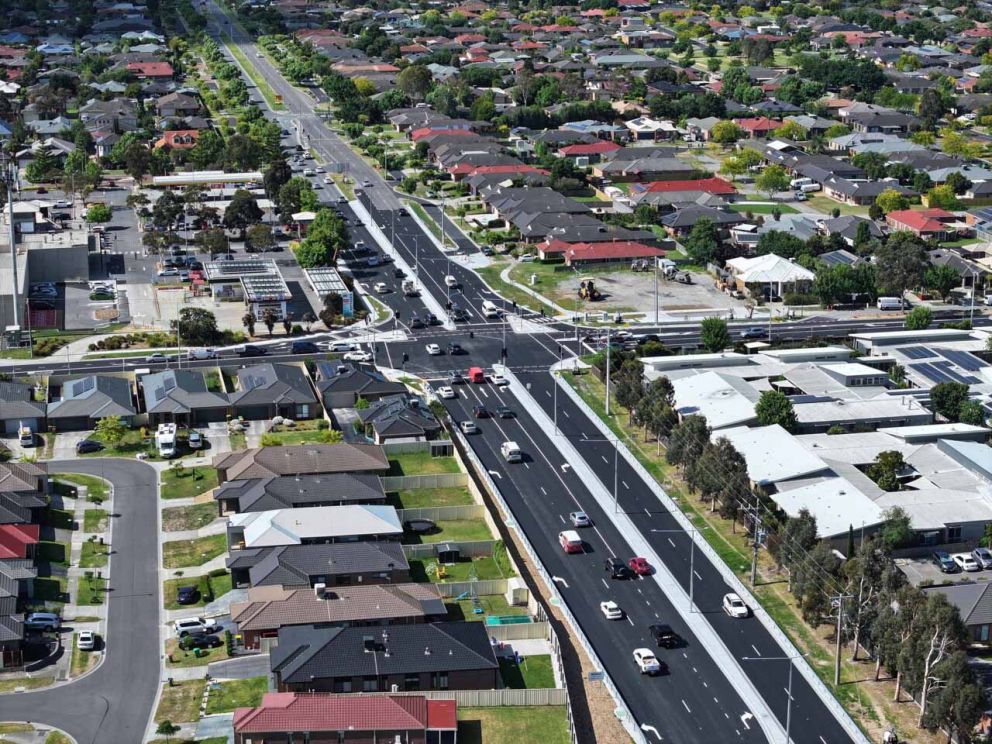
(381,288)
(966,561)
(579,519)
(498,380)
(447,393)
(612,610)
(734,606)
(468,427)
(203,353)
(358,356)
(646,661)
(433,349)
(194,626)
(86,640)
(342,346)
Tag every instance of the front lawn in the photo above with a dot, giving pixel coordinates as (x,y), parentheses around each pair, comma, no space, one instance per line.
(182,553)
(129,446)
(95,520)
(180,702)
(97,488)
(193,517)
(546,724)
(453,530)
(763,208)
(219,586)
(421,463)
(90,590)
(533,671)
(177,657)
(236,693)
(183,482)
(416,498)
(94,555)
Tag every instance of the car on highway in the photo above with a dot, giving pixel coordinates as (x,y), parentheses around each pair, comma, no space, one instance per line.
(432,319)
(480,411)
(446,393)
(983,556)
(84,446)
(504,411)
(579,519)
(459,315)
(498,380)
(155,358)
(734,606)
(86,640)
(367,183)
(617,569)
(416,323)
(249,350)
(664,636)
(455,378)
(434,350)
(358,356)
(942,560)
(398,273)
(646,661)
(966,562)
(455,349)
(611,609)
(189,642)
(48,622)
(187,595)
(304,347)
(754,333)
(640,566)
(381,288)
(202,353)
(468,427)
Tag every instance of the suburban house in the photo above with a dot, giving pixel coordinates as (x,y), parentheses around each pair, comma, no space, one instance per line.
(268,390)
(300,459)
(769,275)
(399,418)
(325,718)
(341,385)
(269,608)
(403,658)
(313,524)
(331,564)
(924,223)
(18,407)
(86,400)
(292,492)
(576,254)
(974,603)
(181,396)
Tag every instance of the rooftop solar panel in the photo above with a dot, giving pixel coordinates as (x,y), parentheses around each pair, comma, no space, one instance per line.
(917,352)
(963,359)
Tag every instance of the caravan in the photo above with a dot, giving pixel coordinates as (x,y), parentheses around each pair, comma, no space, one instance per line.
(165,440)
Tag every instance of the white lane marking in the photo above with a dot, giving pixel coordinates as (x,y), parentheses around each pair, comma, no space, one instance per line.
(706,686)
(697,575)
(823,740)
(562,519)
(686,707)
(669,539)
(628,488)
(497,474)
(645,508)
(548,393)
(652,729)
(605,460)
(604,582)
(756,649)
(546,493)
(560,580)
(566,414)
(745,718)
(630,621)
(564,467)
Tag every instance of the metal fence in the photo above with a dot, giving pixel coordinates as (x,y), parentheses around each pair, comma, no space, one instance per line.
(481,588)
(442,513)
(788,649)
(467,549)
(529,631)
(492,698)
(437,480)
(402,448)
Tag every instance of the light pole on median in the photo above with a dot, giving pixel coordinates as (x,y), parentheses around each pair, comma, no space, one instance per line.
(788,691)
(691,532)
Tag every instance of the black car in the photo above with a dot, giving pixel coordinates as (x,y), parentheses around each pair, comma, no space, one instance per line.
(755,332)
(88,445)
(432,319)
(459,315)
(617,569)
(304,347)
(253,351)
(664,636)
(187,595)
(420,526)
(416,322)
(399,273)
(480,412)
(454,348)
(504,411)
(189,642)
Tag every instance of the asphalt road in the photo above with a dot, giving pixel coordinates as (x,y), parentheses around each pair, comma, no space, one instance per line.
(112,705)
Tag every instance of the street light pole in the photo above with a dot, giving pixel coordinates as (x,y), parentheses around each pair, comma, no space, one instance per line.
(788,691)
(656,309)
(607,371)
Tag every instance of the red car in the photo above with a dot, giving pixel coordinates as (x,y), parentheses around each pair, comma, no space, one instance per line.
(640,566)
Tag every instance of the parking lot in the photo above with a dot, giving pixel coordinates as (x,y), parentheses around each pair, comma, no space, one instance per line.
(923,571)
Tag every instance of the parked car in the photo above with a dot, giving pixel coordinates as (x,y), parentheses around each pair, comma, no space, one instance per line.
(86,640)
(420,526)
(190,642)
(187,595)
(966,562)
(942,560)
(983,556)
(664,636)
(195,440)
(611,609)
(48,622)
(84,446)
(640,566)
(734,606)
(579,519)
(646,661)
(617,569)
(194,626)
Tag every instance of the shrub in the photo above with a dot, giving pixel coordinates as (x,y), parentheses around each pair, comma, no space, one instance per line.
(205,589)
(323,424)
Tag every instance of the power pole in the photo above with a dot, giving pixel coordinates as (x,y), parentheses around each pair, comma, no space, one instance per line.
(607,371)
(839,599)
(754,513)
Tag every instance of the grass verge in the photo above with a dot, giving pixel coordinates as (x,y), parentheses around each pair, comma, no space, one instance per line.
(236,693)
(95,520)
(97,488)
(94,555)
(90,590)
(180,702)
(183,482)
(263,87)
(82,661)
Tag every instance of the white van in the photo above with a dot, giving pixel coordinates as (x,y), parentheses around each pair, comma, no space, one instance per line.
(889,303)
(511,452)
(489,309)
(798,183)
(809,188)
(165,439)
(24,435)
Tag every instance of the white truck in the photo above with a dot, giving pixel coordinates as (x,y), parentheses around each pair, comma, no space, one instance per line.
(165,440)
(410,288)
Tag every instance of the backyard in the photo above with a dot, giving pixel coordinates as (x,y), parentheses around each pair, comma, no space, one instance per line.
(489,604)
(546,724)
(465,569)
(417,498)
(533,672)
(421,463)
(452,530)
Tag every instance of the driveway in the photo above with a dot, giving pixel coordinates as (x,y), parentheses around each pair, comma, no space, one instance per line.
(112,705)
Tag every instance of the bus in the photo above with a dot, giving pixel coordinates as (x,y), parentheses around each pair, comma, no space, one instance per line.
(165,440)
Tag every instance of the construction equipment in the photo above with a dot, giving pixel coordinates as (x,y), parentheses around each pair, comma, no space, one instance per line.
(588,291)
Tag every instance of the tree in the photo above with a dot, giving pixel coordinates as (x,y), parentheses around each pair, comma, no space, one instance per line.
(919,318)
(311,253)
(685,445)
(291,197)
(241,212)
(269,319)
(714,334)
(941,278)
(248,320)
(275,176)
(99,213)
(415,81)
(726,132)
(196,326)
(167,729)
(891,200)
(900,262)
(971,413)
(702,245)
(214,241)
(796,538)
(259,238)
(943,197)
(308,319)
(333,308)
(946,399)
(791,130)
(772,180)
(167,209)
(733,166)
(111,431)
(774,407)
(44,167)
(886,469)
(834,284)
(629,383)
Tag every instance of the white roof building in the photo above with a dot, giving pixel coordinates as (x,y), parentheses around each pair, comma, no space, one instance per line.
(298,526)
(724,401)
(835,502)
(769,270)
(773,455)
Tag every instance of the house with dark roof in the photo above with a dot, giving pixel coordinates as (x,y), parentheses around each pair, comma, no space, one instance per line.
(330,564)
(267,609)
(411,719)
(403,658)
(182,397)
(290,492)
(300,459)
(974,604)
(269,390)
(86,400)
(18,407)
(341,385)
(399,417)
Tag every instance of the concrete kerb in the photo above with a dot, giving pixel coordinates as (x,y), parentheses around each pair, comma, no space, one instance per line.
(427,231)
(662,576)
(788,649)
(432,304)
(162,617)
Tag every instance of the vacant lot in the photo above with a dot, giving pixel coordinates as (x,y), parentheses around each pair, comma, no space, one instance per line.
(180,483)
(193,517)
(236,693)
(181,553)
(181,701)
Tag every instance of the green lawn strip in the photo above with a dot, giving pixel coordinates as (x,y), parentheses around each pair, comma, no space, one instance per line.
(95,520)
(491,604)
(236,693)
(57,737)
(453,530)
(763,208)
(263,87)
(421,463)
(548,725)
(181,483)
(238,440)
(192,517)
(96,487)
(491,275)
(418,498)
(94,555)
(186,658)
(28,683)
(429,221)
(295,437)
(466,569)
(180,702)
(196,552)
(90,590)
(82,661)
(533,672)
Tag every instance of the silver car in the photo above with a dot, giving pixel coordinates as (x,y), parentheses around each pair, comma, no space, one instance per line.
(983,557)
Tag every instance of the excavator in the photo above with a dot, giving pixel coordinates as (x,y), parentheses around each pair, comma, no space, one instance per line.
(588,291)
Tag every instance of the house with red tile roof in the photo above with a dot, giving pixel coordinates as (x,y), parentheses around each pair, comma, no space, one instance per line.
(592,150)
(178,139)
(924,223)
(615,251)
(467,39)
(144,70)
(466,170)
(715,186)
(18,540)
(757,127)
(412,719)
